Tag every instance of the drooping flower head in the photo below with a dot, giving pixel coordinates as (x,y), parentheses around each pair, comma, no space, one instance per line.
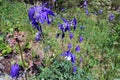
(69,46)
(77,49)
(100,11)
(69,56)
(61,27)
(31,13)
(74,22)
(67,24)
(71,35)
(74,69)
(80,39)
(86,11)
(85,4)
(40,14)
(14,70)
(111,17)
(63,9)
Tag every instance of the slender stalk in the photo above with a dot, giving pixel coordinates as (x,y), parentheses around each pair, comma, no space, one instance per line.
(63,44)
(21,56)
(42,34)
(20,52)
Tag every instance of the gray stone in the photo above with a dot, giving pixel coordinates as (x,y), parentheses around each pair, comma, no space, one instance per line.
(1,66)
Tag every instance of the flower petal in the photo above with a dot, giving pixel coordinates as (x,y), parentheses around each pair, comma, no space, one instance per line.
(77,49)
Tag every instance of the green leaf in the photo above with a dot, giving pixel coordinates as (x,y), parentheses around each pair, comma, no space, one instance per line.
(4,52)
(11,29)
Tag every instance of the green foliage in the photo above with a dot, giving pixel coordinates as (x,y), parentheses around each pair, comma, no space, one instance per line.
(62,70)
(6,49)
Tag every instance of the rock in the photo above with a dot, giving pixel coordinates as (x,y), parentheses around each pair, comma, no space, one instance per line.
(118,10)
(1,66)
(1,58)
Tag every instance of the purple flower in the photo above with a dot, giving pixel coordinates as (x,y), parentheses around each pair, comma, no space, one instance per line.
(86,11)
(31,13)
(100,11)
(111,17)
(14,70)
(40,14)
(77,49)
(61,27)
(69,46)
(63,9)
(81,60)
(69,56)
(38,36)
(71,35)
(66,24)
(34,24)
(85,4)
(73,58)
(80,39)
(74,69)
(75,23)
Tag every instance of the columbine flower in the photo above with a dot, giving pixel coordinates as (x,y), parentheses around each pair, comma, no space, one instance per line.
(61,27)
(86,11)
(35,24)
(69,46)
(40,14)
(100,11)
(66,24)
(71,35)
(77,49)
(111,17)
(74,21)
(31,13)
(85,4)
(14,70)
(63,9)
(69,56)
(80,39)
(74,69)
